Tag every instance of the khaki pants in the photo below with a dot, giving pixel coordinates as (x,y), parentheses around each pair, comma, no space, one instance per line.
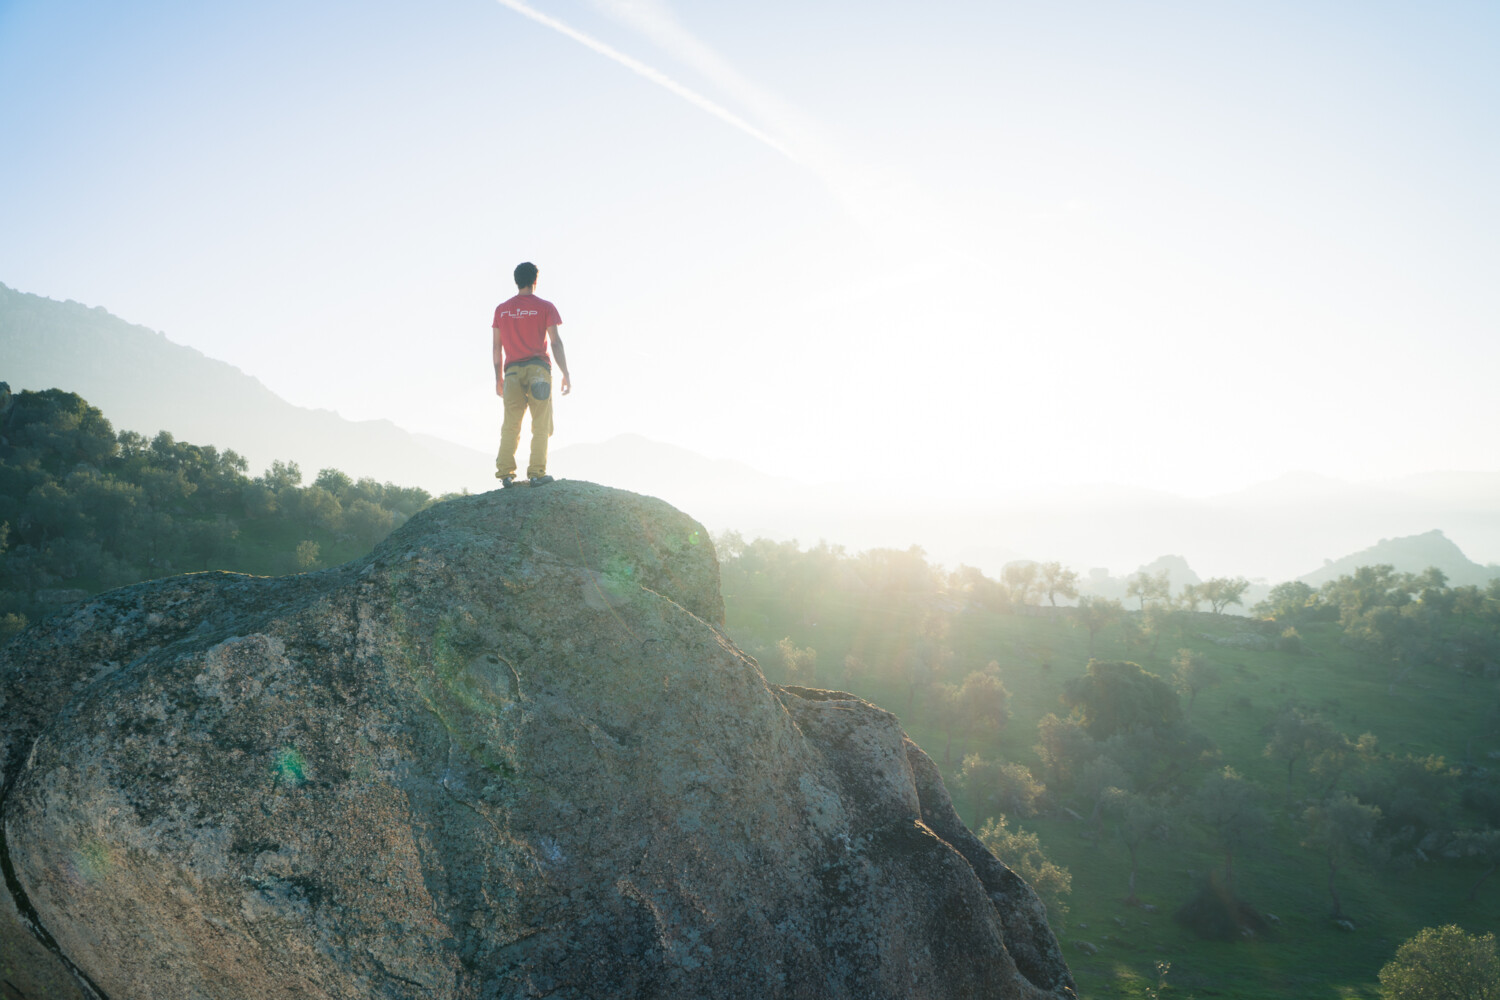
(519,396)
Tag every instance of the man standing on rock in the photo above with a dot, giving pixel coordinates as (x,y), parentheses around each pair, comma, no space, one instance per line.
(523,375)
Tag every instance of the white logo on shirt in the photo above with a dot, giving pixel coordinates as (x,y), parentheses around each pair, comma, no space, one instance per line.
(520,312)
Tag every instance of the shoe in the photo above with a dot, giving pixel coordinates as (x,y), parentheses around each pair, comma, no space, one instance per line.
(506,480)
(539,480)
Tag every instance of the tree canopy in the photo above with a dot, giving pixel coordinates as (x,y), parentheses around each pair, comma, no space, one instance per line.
(1117,696)
(85,509)
(1443,963)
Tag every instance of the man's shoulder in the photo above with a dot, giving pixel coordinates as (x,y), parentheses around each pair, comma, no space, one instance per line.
(534,300)
(547,309)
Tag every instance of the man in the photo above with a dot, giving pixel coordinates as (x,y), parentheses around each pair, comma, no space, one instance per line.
(523,375)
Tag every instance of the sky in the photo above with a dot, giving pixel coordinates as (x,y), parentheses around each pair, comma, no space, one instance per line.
(958,246)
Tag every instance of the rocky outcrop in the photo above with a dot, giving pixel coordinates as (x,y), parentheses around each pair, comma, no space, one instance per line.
(510,754)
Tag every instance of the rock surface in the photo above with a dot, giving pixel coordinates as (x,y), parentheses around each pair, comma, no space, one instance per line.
(510,754)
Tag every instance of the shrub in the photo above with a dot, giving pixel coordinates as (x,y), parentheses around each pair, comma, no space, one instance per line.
(1022,852)
(1443,962)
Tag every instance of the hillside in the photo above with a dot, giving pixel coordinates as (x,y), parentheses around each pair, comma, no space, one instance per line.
(146,383)
(1168,758)
(1411,554)
(84,509)
(985,674)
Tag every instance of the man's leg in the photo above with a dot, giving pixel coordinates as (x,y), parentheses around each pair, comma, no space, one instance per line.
(515,399)
(541,424)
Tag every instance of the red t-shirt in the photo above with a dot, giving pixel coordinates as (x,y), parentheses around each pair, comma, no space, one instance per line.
(521,328)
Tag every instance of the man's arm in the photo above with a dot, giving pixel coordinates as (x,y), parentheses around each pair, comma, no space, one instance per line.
(499,352)
(562,359)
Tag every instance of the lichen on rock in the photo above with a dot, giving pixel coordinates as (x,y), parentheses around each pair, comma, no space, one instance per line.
(509,754)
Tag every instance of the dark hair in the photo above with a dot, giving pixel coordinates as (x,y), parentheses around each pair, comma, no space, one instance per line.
(525,275)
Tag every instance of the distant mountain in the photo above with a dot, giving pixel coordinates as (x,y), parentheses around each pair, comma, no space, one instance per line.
(1179,573)
(1411,554)
(1302,519)
(146,383)
(633,462)
(1097,582)
(1269,532)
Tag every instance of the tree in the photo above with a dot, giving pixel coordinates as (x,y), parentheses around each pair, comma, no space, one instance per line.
(1095,613)
(1468,603)
(1227,807)
(1220,592)
(979,589)
(282,475)
(307,555)
(1443,963)
(59,430)
(1099,778)
(1367,587)
(1155,621)
(799,666)
(1296,735)
(317,508)
(1481,846)
(1020,582)
(210,541)
(1116,696)
(1333,760)
(1157,758)
(10,624)
(729,545)
(1058,582)
(1432,590)
(982,704)
(977,776)
(367,521)
(1400,635)
(1022,852)
(1141,818)
(1190,597)
(1292,602)
(949,712)
(1336,829)
(259,500)
(897,576)
(1191,672)
(1064,746)
(1149,587)
(335,482)
(1416,794)
(1005,786)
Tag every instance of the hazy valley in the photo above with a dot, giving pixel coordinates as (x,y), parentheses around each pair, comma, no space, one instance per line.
(1288,528)
(1256,803)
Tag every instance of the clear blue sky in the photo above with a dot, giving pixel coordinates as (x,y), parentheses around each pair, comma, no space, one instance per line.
(1179,245)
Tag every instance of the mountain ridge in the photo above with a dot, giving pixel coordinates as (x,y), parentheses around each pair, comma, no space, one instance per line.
(147,383)
(1273,530)
(1410,554)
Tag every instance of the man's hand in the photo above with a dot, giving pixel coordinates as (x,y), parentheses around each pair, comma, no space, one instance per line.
(566,386)
(500,386)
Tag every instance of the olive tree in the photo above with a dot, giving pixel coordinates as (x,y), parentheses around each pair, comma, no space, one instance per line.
(1337,829)
(1443,963)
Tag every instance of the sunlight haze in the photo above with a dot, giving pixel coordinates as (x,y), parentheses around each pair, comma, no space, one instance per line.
(956,248)
(1021,518)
